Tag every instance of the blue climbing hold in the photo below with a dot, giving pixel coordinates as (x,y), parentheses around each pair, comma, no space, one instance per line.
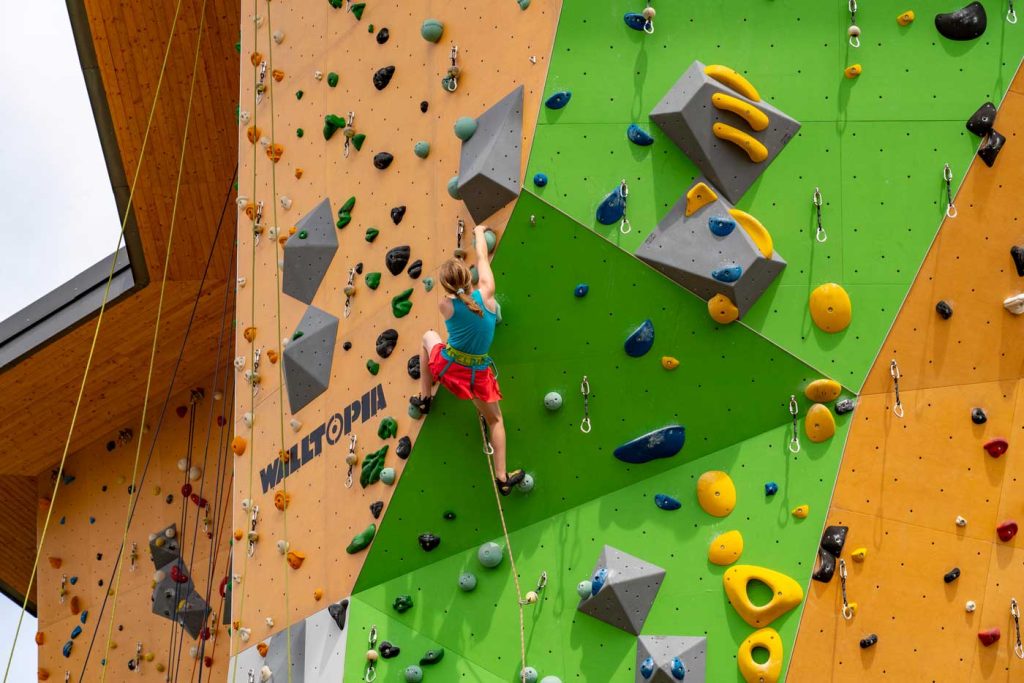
(85,616)
(647,667)
(678,669)
(581,290)
(661,443)
(639,136)
(66,650)
(73,580)
(68,478)
(612,208)
(540,180)
(771,488)
(597,583)
(63,520)
(635,21)
(727,274)
(666,502)
(75,632)
(721,225)
(558,100)
(641,341)
(92,520)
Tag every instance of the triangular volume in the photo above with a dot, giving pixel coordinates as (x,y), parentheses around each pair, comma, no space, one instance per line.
(491,162)
(629,587)
(308,253)
(669,659)
(277,658)
(786,593)
(309,356)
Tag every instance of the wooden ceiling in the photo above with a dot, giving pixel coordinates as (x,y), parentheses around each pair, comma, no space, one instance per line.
(38,394)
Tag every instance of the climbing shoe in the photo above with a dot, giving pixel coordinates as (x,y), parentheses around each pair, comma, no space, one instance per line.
(513,478)
(422,403)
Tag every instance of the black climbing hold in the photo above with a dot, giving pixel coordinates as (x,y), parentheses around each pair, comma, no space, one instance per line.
(424,105)
(449,515)
(413,367)
(382,160)
(978,416)
(989,149)
(966,23)
(952,575)
(1017,254)
(429,541)
(338,613)
(382,77)
(386,342)
(404,448)
(382,36)
(387,650)
(377,508)
(845,406)
(432,656)
(111,445)
(415,269)
(397,259)
(169,499)
(104,488)
(359,268)
(397,214)
(99,556)
(831,547)
(981,121)
(347,345)
(944,310)
(867,642)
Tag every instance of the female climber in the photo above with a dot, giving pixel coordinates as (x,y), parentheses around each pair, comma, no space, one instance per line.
(462,364)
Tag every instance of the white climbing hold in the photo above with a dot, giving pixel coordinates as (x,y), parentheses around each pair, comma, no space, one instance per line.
(152,537)
(295,425)
(258,20)
(246,503)
(264,142)
(241,283)
(318,75)
(265,674)
(286,203)
(970,606)
(272,232)
(961,521)
(239,362)
(244,633)
(218,395)
(247,419)
(282,546)
(237,578)
(182,464)
(270,622)
(194,473)
(242,201)
(193,652)
(159,575)
(278,36)
(280,264)
(170,532)
(244,117)
(1015,304)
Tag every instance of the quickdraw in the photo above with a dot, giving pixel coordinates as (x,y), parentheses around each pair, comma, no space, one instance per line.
(349,132)
(138,655)
(854,31)
(261,86)
(1018,648)
(532,596)
(1011,14)
(947,175)
(351,459)
(794,411)
(257,223)
(63,587)
(253,536)
(624,225)
(816,198)
(370,674)
(451,80)
(252,676)
(253,376)
(459,232)
(350,291)
(133,556)
(847,609)
(585,390)
(894,372)
(649,13)
(488,448)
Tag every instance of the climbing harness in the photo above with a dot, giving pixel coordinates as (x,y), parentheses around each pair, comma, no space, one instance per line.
(585,390)
(1018,648)
(794,411)
(894,372)
(847,610)
(459,232)
(624,225)
(451,81)
(351,459)
(350,291)
(1011,14)
(488,448)
(816,198)
(947,175)
(370,674)
(349,132)
(854,31)
(261,86)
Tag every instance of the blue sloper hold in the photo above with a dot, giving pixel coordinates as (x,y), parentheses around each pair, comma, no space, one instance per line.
(639,136)
(581,290)
(641,341)
(558,100)
(661,443)
(540,179)
(727,274)
(66,650)
(635,21)
(721,226)
(647,666)
(771,488)
(666,502)
(612,208)
(597,583)
(75,632)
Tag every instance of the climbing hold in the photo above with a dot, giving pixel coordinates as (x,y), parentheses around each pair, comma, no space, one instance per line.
(952,575)
(756,231)
(400,304)
(449,516)
(830,307)
(529,675)
(944,310)
(431,30)
(552,400)
(558,100)
(1006,531)
(584,589)
(403,448)
(823,390)
(732,79)
(716,493)
(421,149)
(372,465)
(389,651)
(415,269)
(397,259)
(989,636)
(961,521)
(906,18)
(526,485)
(819,425)
(490,554)
(831,547)
(996,447)
(859,554)
(387,475)
(424,105)
(661,443)
(465,127)
(970,606)
(754,148)
(413,674)
(371,234)
(453,188)
(727,274)
(868,641)
(722,310)
(581,290)
(768,672)
(853,71)
(1017,254)
(771,488)
(318,594)
(382,160)
(403,603)
(639,136)
(754,117)
(1014,304)
(801,511)
(467,582)
(282,500)
(332,79)
(978,416)
(641,341)
(382,36)
(429,541)
(373,366)
(295,559)
(612,208)
(982,120)
(721,226)
(332,123)
(432,656)
(669,363)
(373,280)
(357,141)
(357,10)
(382,77)
(413,366)
(786,593)
(238,445)
(540,179)
(666,502)
(699,196)
(845,406)
(990,148)
(726,548)
(966,23)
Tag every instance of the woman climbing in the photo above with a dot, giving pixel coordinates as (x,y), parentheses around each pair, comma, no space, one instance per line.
(462,364)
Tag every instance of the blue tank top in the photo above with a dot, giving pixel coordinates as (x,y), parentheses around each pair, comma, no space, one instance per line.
(468,332)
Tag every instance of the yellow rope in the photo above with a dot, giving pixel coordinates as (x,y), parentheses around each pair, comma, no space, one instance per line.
(92,346)
(156,334)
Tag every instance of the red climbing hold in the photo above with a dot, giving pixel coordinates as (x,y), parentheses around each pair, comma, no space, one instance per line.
(996,447)
(1007,530)
(186,490)
(182,411)
(208,661)
(989,636)
(223,588)
(204,634)
(178,575)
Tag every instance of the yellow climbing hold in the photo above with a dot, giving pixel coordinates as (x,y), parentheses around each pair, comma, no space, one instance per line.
(906,18)
(786,593)
(722,309)
(726,548)
(819,425)
(801,511)
(757,233)
(697,197)
(859,554)
(853,71)
(768,672)
(830,306)
(732,79)
(756,118)
(716,493)
(754,148)
(669,363)
(823,390)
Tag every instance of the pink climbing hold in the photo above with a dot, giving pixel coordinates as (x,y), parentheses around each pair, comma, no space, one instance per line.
(989,636)
(1007,530)
(996,447)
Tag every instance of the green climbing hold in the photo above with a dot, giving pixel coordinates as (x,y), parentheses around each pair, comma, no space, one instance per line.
(332,79)
(357,9)
(373,280)
(298,333)
(349,204)
(332,122)
(371,234)
(372,465)
(388,428)
(453,188)
(361,540)
(357,141)
(431,30)
(238,48)
(428,283)
(422,149)
(370,29)
(299,132)
(403,603)
(400,305)
(299,94)
(336,4)
(373,366)
(465,127)
(343,220)
(432,656)
(303,234)
(523,4)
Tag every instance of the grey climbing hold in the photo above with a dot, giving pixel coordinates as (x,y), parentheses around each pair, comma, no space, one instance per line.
(386,342)
(639,136)
(397,259)
(307,360)
(467,582)
(306,261)
(631,584)
(527,484)
(383,76)
(491,161)
(529,675)
(990,148)
(421,149)
(382,160)
(584,589)
(465,127)
(966,23)
(553,400)
(387,475)
(641,340)
(490,554)
(413,674)
(944,310)
(431,30)
(831,547)
(844,406)
(558,99)
(982,120)
(670,659)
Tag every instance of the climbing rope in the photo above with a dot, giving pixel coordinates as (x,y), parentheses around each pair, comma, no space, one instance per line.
(816,198)
(854,31)
(794,411)
(894,372)
(847,610)
(585,390)
(947,176)
(1011,14)
(624,225)
(1018,648)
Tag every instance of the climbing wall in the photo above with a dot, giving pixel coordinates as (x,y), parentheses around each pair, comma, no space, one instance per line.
(85,533)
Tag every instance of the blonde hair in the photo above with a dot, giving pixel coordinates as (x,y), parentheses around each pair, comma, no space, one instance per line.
(457,280)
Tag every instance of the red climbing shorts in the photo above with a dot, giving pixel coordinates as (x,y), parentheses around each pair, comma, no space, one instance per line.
(463,381)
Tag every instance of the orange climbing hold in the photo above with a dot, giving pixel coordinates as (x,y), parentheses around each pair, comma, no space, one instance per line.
(295,559)
(716,493)
(819,425)
(669,363)
(272,355)
(43,674)
(252,133)
(823,390)
(830,307)
(765,639)
(906,18)
(250,211)
(40,637)
(284,456)
(722,310)
(282,500)
(786,593)
(238,534)
(853,71)
(249,333)
(278,75)
(298,173)
(318,594)
(238,445)
(274,152)
(262,649)
(75,604)
(55,562)
(697,197)
(256,58)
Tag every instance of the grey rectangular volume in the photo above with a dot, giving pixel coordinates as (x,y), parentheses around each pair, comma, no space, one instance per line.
(308,359)
(277,654)
(193,613)
(691,651)
(626,598)
(491,162)
(309,252)
(686,115)
(684,249)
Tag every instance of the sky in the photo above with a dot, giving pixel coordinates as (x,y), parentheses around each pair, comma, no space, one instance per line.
(59,214)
